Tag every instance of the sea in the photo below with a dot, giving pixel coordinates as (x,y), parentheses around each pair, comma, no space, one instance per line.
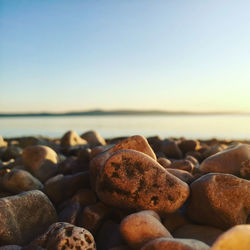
(110,126)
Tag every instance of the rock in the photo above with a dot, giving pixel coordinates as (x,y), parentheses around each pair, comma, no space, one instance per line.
(188,145)
(171,149)
(11,152)
(155,143)
(139,228)
(71,138)
(11,247)
(3,143)
(92,216)
(174,244)
(99,149)
(69,213)
(164,162)
(40,161)
(181,174)
(212,150)
(227,161)
(182,165)
(245,169)
(63,235)
(205,234)
(24,216)
(17,181)
(138,143)
(219,200)
(134,181)
(93,138)
(175,220)
(238,237)
(64,187)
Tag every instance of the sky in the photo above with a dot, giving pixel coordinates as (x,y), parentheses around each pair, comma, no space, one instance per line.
(78,55)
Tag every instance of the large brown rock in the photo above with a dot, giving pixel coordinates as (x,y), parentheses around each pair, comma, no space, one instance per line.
(18,180)
(139,228)
(227,161)
(219,200)
(40,161)
(138,143)
(23,217)
(238,237)
(133,180)
(175,244)
(63,235)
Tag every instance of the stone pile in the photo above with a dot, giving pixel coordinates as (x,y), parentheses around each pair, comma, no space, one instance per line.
(85,192)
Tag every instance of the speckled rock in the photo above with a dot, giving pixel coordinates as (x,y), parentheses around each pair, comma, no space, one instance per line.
(175,244)
(18,180)
(24,216)
(205,234)
(71,138)
(40,161)
(238,237)
(139,228)
(219,200)
(93,138)
(227,161)
(133,180)
(138,143)
(245,169)
(63,235)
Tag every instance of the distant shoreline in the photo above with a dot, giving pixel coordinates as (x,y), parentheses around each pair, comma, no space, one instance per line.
(118,113)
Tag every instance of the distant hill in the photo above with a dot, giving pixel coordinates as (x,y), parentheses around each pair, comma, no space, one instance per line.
(117,112)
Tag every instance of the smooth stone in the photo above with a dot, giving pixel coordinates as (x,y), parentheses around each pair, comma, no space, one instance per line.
(181,174)
(62,235)
(139,228)
(71,138)
(40,161)
(93,216)
(11,152)
(132,180)
(175,244)
(3,143)
(93,138)
(138,143)
(155,143)
(17,181)
(219,200)
(170,149)
(23,217)
(238,237)
(227,161)
(182,165)
(63,187)
(245,169)
(188,145)
(205,234)
(164,162)
(69,213)
(85,197)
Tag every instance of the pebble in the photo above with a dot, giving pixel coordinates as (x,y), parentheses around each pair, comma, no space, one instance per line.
(93,138)
(219,200)
(139,228)
(25,216)
(133,180)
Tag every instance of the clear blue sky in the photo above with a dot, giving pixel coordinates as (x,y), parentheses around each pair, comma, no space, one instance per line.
(124,54)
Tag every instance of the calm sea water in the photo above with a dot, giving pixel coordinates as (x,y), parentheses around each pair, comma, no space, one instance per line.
(197,126)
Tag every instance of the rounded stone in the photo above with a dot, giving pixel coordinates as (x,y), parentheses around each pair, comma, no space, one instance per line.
(238,237)
(18,180)
(175,244)
(71,138)
(134,181)
(219,200)
(23,217)
(139,228)
(41,161)
(62,235)
(227,161)
(93,138)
